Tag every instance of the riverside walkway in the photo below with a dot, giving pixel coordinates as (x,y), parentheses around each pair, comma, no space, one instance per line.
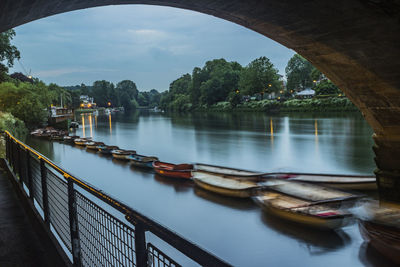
(20,244)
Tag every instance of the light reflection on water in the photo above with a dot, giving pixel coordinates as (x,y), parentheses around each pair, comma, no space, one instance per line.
(235,230)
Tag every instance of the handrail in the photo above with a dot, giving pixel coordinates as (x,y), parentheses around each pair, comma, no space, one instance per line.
(139,220)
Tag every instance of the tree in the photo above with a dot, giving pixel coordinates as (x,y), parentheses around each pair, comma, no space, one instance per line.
(298,73)
(59,95)
(181,85)
(104,92)
(26,101)
(258,76)
(127,91)
(220,78)
(8,53)
(326,87)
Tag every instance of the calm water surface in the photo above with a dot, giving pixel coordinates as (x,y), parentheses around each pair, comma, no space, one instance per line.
(235,230)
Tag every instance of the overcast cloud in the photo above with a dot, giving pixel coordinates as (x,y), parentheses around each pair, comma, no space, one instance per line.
(150,45)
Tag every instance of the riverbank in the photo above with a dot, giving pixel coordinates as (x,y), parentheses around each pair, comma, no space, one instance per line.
(333,104)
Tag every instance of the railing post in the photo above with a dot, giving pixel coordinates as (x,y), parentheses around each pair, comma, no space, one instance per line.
(7,148)
(73,225)
(45,195)
(140,245)
(13,155)
(29,174)
(21,179)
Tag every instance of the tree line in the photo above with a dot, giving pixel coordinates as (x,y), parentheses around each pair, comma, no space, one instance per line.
(220,80)
(123,94)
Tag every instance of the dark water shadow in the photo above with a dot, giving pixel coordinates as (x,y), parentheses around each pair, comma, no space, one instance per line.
(370,257)
(316,241)
(179,184)
(231,202)
(141,170)
(120,162)
(91,151)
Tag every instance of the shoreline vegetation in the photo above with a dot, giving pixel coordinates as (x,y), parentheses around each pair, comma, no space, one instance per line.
(332,104)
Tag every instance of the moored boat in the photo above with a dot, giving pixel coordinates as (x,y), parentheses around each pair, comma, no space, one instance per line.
(81,141)
(379,225)
(92,145)
(142,161)
(70,139)
(310,192)
(224,170)
(307,213)
(355,182)
(173,170)
(122,154)
(57,137)
(225,185)
(104,149)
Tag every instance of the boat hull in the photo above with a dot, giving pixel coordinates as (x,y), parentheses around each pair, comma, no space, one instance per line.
(120,157)
(385,239)
(174,174)
(240,193)
(183,171)
(141,164)
(352,186)
(306,220)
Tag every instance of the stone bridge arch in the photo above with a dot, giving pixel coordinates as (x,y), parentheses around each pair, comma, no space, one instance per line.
(356,43)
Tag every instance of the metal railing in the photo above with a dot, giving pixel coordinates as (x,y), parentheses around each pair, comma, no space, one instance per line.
(88,232)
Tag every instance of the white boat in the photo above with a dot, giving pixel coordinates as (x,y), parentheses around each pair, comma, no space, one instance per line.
(225,185)
(224,170)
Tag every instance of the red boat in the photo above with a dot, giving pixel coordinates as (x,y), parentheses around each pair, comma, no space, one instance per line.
(173,170)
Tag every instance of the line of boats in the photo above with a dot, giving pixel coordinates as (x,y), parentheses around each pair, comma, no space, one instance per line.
(314,200)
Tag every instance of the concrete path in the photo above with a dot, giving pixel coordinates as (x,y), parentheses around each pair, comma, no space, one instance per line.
(19,244)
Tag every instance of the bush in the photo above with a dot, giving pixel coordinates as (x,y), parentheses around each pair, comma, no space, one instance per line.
(15,126)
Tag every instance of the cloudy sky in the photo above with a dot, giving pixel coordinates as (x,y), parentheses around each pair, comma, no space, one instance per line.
(150,45)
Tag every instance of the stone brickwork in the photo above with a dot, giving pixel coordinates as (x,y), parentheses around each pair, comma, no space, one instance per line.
(356,43)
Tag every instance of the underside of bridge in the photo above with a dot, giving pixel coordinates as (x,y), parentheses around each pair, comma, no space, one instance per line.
(356,43)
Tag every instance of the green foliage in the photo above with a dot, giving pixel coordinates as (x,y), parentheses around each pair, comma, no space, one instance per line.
(104,92)
(326,87)
(26,101)
(181,103)
(59,94)
(234,98)
(206,86)
(126,91)
(8,53)
(14,125)
(298,73)
(260,75)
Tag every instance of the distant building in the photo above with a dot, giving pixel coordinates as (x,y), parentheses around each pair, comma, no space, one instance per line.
(87,102)
(306,93)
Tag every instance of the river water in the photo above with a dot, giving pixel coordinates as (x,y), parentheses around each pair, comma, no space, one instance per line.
(235,230)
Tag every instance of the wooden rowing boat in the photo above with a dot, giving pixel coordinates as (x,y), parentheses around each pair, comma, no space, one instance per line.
(307,213)
(70,139)
(142,161)
(356,182)
(93,145)
(225,185)
(104,149)
(122,154)
(81,141)
(379,225)
(224,170)
(309,192)
(173,170)
(57,137)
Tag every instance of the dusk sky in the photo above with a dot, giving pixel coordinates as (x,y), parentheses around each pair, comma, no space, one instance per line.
(150,45)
